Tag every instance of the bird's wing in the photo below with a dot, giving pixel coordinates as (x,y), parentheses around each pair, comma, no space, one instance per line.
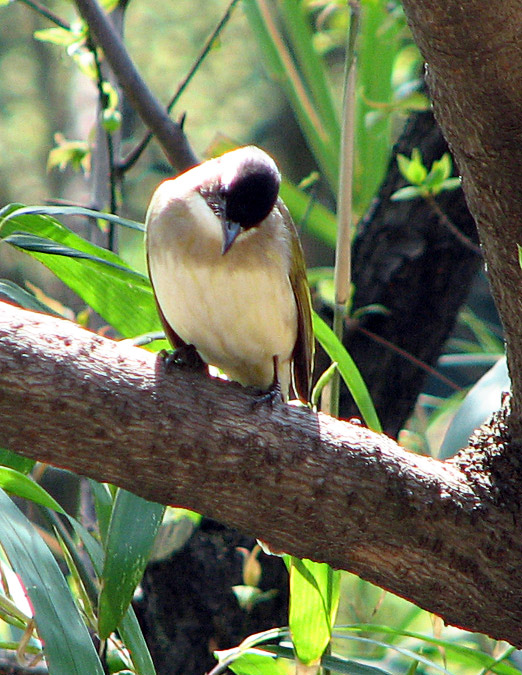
(171,336)
(303,354)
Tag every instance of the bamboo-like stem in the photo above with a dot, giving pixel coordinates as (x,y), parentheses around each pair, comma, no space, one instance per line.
(342,274)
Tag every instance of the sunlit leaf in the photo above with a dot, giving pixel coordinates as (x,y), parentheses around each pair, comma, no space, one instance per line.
(122,296)
(20,485)
(314,599)
(69,649)
(348,370)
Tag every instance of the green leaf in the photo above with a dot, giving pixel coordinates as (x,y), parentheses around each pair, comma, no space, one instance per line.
(75,211)
(19,484)
(348,370)
(103,503)
(14,461)
(69,649)
(412,169)
(18,295)
(35,244)
(258,662)
(308,214)
(123,297)
(378,45)
(406,193)
(349,667)
(56,36)
(451,184)
(129,628)
(333,663)
(279,60)
(75,154)
(132,530)
(343,632)
(440,170)
(480,403)
(321,383)
(314,599)
(131,634)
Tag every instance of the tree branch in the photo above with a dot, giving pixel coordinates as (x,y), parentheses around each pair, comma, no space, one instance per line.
(434,532)
(169,134)
(474,56)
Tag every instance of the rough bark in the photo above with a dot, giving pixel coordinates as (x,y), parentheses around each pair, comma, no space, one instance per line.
(474,70)
(316,487)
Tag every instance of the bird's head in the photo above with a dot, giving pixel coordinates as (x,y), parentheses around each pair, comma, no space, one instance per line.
(242,190)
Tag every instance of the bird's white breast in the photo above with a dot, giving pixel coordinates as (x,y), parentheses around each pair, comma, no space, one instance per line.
(237,309)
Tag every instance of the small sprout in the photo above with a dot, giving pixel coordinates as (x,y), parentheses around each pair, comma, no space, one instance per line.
(424,183)
(75,154)
(251,565)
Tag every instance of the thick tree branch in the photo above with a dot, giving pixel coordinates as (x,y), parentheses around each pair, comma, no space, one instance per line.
(474,56)
(169,134)
(443,534)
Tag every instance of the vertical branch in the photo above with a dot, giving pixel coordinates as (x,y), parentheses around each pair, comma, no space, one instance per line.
(342,274)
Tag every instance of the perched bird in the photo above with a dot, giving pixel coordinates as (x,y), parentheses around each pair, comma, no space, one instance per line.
(228,272)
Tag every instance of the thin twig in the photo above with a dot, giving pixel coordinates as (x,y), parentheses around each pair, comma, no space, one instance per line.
(47,13)
(409,357)
(110,146)
(133,156)
(444,220)
(169,134)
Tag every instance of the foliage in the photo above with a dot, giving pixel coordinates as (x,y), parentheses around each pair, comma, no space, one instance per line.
(425,183)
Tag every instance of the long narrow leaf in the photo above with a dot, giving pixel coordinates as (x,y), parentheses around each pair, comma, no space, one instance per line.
(471,657)
(334,663)
(349,371)
(35,244)
(297,25)
(19,484)
(132,530)
(281,65)
(77,211)
(314,599)
(377,50)
(120,295)
(18,295)
(129,628)
(313,218)
(14,461)
(69,649)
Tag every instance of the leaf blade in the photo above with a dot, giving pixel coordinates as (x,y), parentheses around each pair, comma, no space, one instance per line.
(68,646)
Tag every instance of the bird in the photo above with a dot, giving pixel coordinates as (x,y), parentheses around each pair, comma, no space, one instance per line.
(228,272)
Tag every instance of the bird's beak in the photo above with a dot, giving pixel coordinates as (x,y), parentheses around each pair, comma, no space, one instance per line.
(230,232)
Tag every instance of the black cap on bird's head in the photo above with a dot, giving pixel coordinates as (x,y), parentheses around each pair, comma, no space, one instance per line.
(246,193)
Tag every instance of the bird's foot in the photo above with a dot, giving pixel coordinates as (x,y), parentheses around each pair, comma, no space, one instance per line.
(185,356)
(272,396)
(274,393)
